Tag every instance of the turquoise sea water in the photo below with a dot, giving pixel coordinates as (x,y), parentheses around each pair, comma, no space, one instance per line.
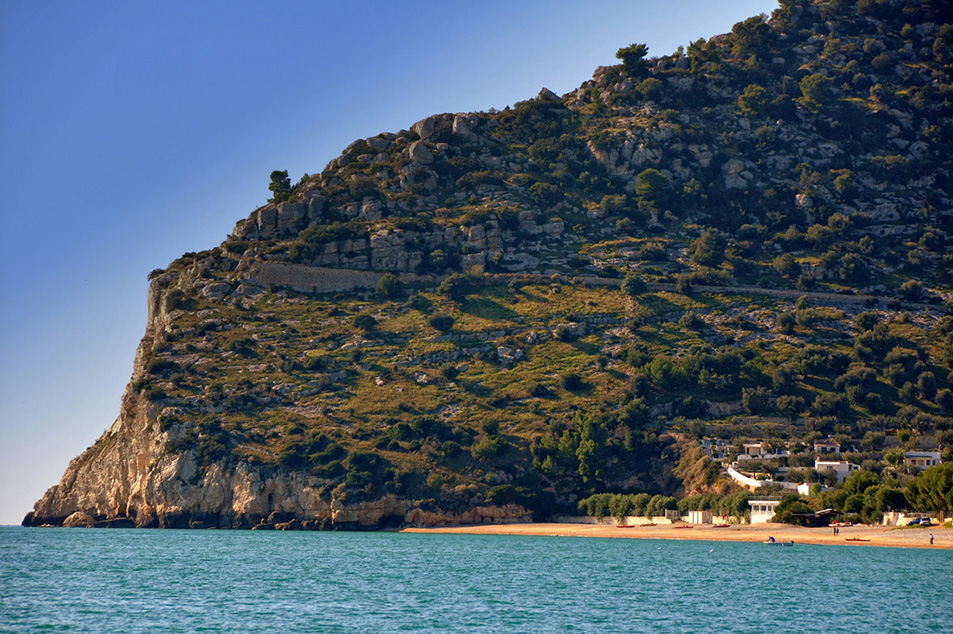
(111,580)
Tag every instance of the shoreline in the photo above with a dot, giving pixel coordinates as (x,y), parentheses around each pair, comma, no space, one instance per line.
(881,536)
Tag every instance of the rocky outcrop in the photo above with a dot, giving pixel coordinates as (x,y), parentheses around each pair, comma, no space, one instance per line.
(131,477)
(79,520)
(137,481)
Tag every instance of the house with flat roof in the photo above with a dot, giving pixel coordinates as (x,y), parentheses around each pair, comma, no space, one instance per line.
(761,451)
(921,459)
(751,449)
(842,468)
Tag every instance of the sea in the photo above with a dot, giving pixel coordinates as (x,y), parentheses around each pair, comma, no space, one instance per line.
(167,581)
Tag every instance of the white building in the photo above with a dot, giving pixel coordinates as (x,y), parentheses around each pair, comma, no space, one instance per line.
(699,517)
(762,509)
(922,459)
(842,468)
(827,446)
(759,451)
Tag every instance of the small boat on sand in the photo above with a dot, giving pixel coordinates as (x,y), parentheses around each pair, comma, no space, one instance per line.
(856,539)
(771,541)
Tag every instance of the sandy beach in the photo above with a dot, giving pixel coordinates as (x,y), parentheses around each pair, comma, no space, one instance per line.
(887,536)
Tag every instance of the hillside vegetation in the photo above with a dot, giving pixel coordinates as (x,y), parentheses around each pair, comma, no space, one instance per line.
(747,239)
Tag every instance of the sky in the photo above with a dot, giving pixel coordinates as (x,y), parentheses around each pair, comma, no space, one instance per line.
(133,132)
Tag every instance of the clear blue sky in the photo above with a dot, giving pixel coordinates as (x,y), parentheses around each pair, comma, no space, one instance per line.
(132,132)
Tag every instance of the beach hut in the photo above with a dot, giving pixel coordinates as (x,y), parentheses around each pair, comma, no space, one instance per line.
(700,517)
(762,509)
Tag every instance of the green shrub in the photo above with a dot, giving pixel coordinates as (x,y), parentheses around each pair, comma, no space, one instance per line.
(786,323)
(441,321)
(487,448)
(754,100)
(457,286)
(365,322)
(911,290)
(450,449)
(449,371)
(362,187)
(651,88)
(691,321)
(815,91)
(652,252)
(389,286)
(633,284)
(419,302)
(544,194)
(573,382)
(159,367)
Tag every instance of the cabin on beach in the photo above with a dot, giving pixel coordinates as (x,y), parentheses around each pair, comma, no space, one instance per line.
(762,509)
(700,517)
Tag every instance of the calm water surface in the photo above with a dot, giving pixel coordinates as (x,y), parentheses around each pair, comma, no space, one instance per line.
(74,580)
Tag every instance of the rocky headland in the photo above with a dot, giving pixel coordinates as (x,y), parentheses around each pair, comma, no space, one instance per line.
(486,316)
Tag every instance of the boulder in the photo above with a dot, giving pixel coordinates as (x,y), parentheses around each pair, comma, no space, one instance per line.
(378,143)
(216,290)
(732,166)
(419,153)
(462,124)
(79,520)
(425,127)
(371,209)
(476,236)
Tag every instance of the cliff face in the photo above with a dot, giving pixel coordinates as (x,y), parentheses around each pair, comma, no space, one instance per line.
(131,477)
(509,310)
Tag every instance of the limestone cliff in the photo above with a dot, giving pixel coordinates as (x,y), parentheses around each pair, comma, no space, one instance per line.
(130,477)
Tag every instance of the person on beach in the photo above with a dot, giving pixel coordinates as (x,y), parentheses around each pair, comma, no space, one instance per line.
(931,539)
